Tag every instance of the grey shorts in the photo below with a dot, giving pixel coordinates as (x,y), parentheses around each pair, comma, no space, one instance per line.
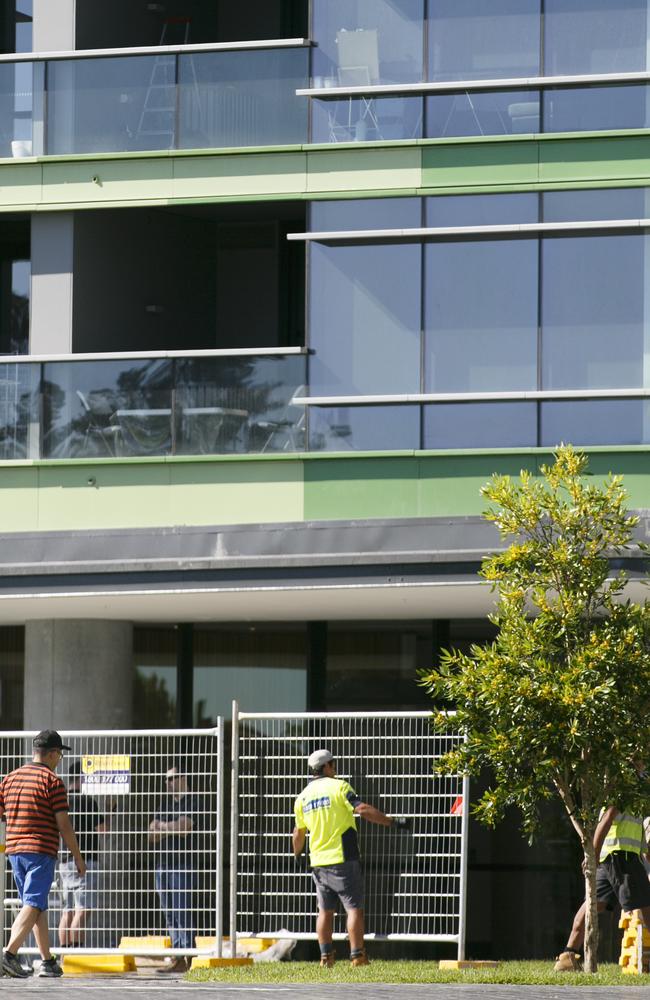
(342,882)
(77,892)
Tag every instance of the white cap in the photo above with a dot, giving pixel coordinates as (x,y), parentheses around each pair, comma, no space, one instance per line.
(319,758)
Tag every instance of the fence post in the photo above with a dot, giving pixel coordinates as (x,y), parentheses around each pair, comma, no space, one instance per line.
(234,827)
(220,805)
(462,914)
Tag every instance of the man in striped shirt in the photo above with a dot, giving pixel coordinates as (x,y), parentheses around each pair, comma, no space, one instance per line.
(34,803)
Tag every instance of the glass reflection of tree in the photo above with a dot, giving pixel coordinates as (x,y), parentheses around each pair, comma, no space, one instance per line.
(19,324)
(240,386)
(154,705)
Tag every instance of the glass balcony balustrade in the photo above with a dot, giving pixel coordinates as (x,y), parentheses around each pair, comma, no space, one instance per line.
(400,59)
(233,404)
(189,100)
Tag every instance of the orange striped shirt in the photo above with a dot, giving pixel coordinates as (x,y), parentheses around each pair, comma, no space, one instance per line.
(30,798)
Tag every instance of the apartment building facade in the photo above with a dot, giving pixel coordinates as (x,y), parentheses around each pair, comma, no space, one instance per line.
(282,284)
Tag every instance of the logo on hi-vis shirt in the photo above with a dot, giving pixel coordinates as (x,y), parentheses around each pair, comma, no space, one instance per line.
(106,774)
(322,803)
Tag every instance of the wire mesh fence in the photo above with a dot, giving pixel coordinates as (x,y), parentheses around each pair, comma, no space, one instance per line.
(415,880)
(147,807)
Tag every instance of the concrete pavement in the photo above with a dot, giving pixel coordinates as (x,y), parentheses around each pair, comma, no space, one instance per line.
(145,988)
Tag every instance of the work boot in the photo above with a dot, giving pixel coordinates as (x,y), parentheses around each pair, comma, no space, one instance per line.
(568,961)
(361,959)
(328,960)
(178,964)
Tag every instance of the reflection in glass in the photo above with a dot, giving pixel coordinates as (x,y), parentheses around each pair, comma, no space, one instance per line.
(360,43)
(497,112)
(481,316)
(592,109)
(481,209)
(480,425)
(470,40)
(263,666)
(17,82)
(594,205)
(594,312)
(110,105)
(365,319)
(242,98)
(19,406)
(384,656)
(602,36)
(366,119)
(598,422)
(238,405)
(106,408)
(154,677)
(364,428)
(364,213)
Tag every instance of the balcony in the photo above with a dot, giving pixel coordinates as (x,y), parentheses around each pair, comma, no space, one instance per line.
(202,403)
(206,96)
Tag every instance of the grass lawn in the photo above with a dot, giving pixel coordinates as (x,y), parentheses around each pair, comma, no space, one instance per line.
(525,973)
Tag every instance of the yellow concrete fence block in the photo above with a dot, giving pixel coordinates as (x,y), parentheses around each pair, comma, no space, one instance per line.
(210,962)
(88,965)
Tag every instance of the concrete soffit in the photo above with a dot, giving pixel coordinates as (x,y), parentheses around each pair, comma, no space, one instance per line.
(400,569)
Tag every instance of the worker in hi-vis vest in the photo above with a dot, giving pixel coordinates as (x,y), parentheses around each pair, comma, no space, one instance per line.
(619,843)
(327,808)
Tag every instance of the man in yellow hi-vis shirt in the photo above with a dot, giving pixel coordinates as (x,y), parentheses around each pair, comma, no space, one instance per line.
(327,808)
(619,843)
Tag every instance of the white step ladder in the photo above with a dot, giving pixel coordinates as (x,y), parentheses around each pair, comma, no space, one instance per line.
(159,109)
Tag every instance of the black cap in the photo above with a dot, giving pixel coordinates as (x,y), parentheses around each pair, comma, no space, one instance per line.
(49,739)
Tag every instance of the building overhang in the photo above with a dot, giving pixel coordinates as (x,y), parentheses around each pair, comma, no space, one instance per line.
(374,569)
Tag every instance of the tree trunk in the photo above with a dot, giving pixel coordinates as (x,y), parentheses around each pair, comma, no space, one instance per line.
(591,912)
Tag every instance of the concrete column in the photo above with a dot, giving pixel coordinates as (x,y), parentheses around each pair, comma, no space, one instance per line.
(52,249)
(78,675)
(54,25)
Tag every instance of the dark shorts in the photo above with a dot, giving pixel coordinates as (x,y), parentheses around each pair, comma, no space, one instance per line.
(622,880)
(342,882)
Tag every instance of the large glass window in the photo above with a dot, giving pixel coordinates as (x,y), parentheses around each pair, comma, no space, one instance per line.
(365,313)
(12,677)
(245,98)
(593,109)
(481,210)
(106,105)
(19,411)
(361,119)
(154,682)
(478,40)
(480,425)
(362,42)
(595,36)
(594,422)
(595,317)
(497,112)
(380,657)
(364,428)
(95,408)
(481,315)
(594,205)
(365,319)
(263,666)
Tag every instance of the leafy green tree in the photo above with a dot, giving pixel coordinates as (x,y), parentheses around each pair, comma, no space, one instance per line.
(559,703)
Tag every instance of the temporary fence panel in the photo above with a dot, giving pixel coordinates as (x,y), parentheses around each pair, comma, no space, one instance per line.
(415,879)
(143,880)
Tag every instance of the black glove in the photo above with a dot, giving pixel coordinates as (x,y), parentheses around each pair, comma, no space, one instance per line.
(401,823)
